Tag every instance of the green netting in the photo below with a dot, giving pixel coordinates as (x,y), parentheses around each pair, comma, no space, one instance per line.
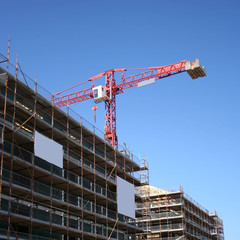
(121,236)
(104,231)
(6,175)
(87,227)
(24,104)
(104,211)
(41,215)
(42,164)
(2,92)
(57,170)
(101,210)
(74,155)
(100,170)
(99,230)
(56,236)
(87,184)
(112,214)
(87,205)
(57,219)
(121,218)
(3,232)
(114,233)
(42,188)
(44,116)
(23,154)
(87,163)
(41,233)
(73,177)
(100,153)
(87,144)
(3,225)
(74,223)
(60,126)
(21,180)
(98,189)
(111,195)
(57,194)
(7,147)
(18,152)
(73,199)
(4,204)
(20,209)
(10,94)
(8,118)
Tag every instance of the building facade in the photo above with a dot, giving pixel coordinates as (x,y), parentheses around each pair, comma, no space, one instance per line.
(59,178)
(173,215)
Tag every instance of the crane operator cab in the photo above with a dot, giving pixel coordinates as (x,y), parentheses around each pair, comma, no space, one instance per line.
(99,93)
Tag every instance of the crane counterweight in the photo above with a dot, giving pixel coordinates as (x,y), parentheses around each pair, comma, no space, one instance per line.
(195,69)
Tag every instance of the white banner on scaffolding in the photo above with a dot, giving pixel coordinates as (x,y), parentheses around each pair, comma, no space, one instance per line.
(48,149)
(125,198)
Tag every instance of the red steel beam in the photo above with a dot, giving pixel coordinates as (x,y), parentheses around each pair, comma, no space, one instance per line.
(155,72)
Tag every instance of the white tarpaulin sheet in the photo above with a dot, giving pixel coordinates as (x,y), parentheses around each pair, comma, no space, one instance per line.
(48,150)
(125,198)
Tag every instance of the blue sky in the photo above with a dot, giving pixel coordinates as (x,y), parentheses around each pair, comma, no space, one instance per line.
(189,129)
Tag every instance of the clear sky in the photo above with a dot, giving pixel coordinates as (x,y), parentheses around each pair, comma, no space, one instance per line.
(189,129)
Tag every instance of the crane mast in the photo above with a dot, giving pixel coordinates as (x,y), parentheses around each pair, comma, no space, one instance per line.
(111,88)
(110,110)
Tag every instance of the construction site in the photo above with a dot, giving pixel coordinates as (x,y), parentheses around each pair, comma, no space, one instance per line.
(173,215)
(62,178)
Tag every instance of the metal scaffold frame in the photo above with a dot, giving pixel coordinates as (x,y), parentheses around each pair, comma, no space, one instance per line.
(32,187)
(174,215)
(144,192)
(4,59)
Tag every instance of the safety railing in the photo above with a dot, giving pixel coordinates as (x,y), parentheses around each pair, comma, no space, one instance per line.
(43,214)
(213,231)
(20,125)
(88,165)
(198,215)
(27,130)
(47,96)
(66,175)
(162,203)
(154,216)
(196,234)
(1,139)
(25,236)
(167,227)
(196,224)
(59,195)
(170,238)
(195,203)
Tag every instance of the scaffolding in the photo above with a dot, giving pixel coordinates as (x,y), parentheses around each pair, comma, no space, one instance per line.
(176,216)
(144,200)
(217,231)
(40,200)
(4,59)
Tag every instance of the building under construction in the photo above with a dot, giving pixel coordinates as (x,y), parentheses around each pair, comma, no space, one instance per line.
(59,178)
(62,178)
(173,215)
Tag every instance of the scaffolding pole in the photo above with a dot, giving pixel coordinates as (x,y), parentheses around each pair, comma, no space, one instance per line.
(4,116)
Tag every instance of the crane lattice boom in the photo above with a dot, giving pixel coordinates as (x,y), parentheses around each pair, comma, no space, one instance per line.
(110,89)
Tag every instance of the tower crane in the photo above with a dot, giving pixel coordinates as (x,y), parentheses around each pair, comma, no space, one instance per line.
(107,92)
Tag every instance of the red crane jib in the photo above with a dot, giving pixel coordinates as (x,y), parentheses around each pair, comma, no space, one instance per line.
(111,89)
